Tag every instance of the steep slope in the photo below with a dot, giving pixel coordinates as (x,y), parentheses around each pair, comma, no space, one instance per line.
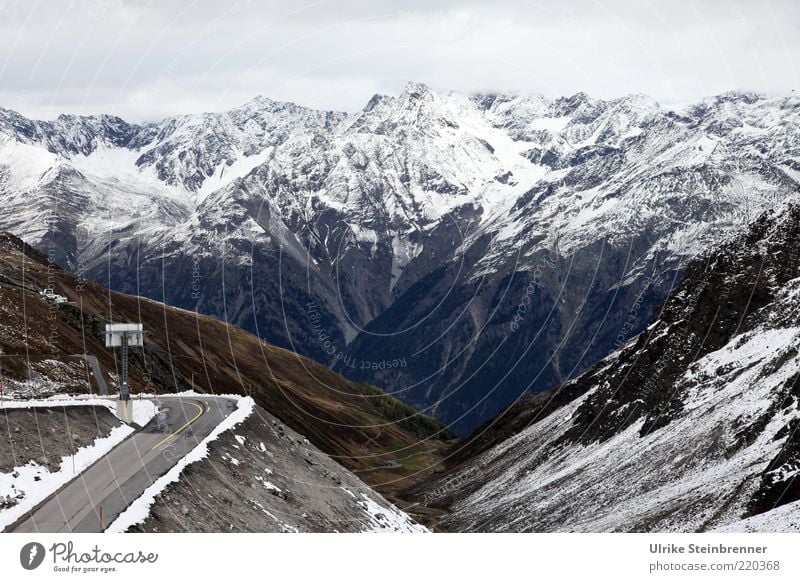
(578,263)
(689,427)
(459,251)
(263,477)
(358,425)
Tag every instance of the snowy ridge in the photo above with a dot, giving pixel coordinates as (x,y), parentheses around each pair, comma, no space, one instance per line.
(427,154)
(357,213)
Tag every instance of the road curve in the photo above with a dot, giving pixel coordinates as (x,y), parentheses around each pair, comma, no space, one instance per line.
(91,501)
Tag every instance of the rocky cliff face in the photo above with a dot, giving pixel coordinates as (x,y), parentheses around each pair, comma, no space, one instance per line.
(691,426)
(458,250)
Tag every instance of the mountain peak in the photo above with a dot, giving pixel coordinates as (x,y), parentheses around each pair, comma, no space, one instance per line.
(415,91)
(260,100)
(374,101)
(567,105)
(261,103)
(748,97)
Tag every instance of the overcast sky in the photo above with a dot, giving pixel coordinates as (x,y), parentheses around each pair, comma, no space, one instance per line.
(146,59)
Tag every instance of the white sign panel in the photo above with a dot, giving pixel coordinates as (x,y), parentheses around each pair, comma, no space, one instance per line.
(134,332)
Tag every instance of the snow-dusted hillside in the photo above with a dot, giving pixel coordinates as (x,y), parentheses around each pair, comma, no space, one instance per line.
(403,243)
(254,474)
(691,427)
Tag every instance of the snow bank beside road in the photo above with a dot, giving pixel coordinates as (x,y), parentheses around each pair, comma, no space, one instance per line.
(144,409)
(35,491)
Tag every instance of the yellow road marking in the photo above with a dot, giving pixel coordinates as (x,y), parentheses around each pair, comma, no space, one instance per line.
(174,434)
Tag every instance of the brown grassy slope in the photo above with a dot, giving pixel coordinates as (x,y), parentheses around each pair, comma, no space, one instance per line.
(366,430)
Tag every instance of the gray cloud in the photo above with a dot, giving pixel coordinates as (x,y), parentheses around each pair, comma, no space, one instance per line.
(145,59)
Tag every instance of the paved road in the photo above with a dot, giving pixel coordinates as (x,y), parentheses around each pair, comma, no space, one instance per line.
(91,501)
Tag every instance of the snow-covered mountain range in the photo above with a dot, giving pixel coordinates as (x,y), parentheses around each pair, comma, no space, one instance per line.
(692,426)
(458,250)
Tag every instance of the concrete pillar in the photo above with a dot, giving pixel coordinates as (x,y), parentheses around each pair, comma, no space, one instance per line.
(125,410)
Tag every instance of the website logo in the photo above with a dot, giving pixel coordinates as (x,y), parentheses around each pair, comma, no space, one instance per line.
(31,555)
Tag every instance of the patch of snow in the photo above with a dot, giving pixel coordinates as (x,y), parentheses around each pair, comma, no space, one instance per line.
(268,484)
(225,174)
(403,252)
(552,124)
(388,519)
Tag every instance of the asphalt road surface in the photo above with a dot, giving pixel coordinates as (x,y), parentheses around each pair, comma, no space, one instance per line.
(91,501)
